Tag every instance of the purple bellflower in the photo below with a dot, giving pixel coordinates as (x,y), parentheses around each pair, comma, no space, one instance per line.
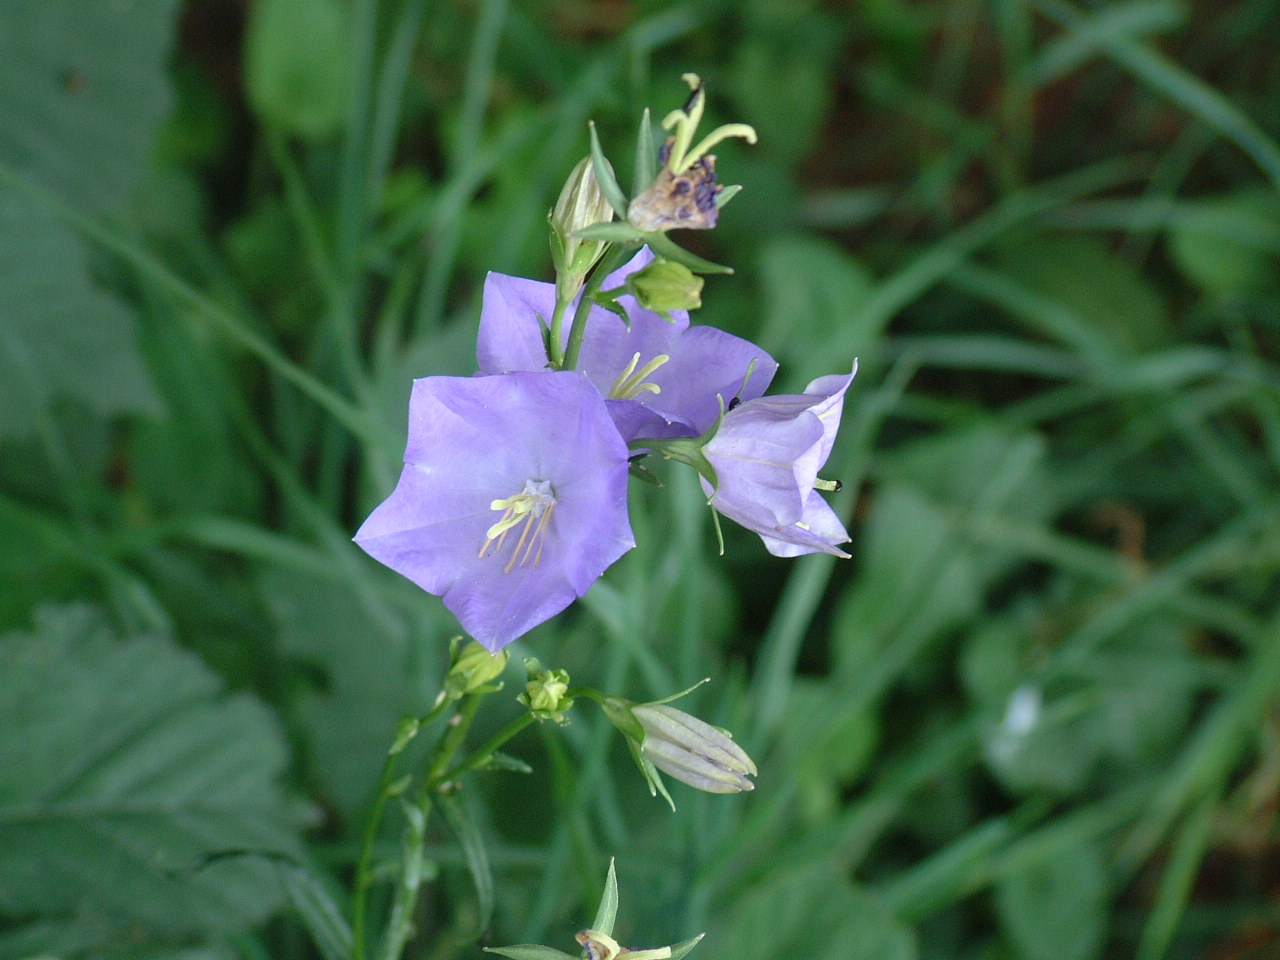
(660,379)
(767,454)
(513,499)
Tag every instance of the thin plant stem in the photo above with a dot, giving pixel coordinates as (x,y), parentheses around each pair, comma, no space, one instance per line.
(400,925)
(608,263)
(364,869)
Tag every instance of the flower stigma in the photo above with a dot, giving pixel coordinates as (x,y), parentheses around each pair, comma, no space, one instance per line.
(631,382)
(531,507)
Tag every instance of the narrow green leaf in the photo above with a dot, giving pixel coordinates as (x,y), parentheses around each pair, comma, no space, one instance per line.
(315,906)
(531,951)
(464,827)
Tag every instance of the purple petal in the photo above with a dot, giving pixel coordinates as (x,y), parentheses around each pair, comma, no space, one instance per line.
(476,440)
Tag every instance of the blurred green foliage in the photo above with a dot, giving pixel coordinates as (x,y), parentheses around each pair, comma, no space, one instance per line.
(1034,718)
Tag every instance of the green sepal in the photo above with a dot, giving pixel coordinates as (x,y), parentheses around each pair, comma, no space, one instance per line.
(646,155)
(607,913)
(531,951)
(651,774)
(681,950)
(664,246)
(504,761)
(618,712)
(616,231)
(406,730)
(727,193)
(643,473)
(604,176)
(676,696)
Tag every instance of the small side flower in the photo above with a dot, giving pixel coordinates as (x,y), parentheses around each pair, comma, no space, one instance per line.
(766,455)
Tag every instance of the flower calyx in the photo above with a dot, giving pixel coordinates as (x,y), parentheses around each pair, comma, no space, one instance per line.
(546,692)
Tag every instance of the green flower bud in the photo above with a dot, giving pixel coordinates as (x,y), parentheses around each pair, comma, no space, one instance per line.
(665,285)
(581,204)
(472,670)
(545,692)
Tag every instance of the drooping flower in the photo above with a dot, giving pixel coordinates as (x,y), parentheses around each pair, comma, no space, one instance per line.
(513,499)
(660,378)
(766,454)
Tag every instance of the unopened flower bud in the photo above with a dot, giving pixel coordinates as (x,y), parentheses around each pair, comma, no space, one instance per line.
(473,669)
(581,204)
(682,746)
(665,285)
(546,692)
(693,752)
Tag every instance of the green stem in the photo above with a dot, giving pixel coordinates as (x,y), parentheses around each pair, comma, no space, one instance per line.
(364,870)
(608,263)
(400,925)
(554,351)
(482,753)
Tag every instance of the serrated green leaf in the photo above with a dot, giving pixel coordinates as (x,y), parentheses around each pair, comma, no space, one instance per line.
(60,336)
(83,89)
(124,772)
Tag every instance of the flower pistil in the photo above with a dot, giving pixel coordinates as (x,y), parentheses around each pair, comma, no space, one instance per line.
(631,382)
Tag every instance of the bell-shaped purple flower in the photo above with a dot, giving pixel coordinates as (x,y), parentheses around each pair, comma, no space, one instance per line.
(513,499)
(767,454)
(661,379)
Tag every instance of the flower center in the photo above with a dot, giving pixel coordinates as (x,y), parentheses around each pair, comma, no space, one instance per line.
(631,382)
(531,507)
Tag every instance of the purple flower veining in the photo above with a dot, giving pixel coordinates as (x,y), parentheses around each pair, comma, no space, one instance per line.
(767,454)
(660,379)
(513,499)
